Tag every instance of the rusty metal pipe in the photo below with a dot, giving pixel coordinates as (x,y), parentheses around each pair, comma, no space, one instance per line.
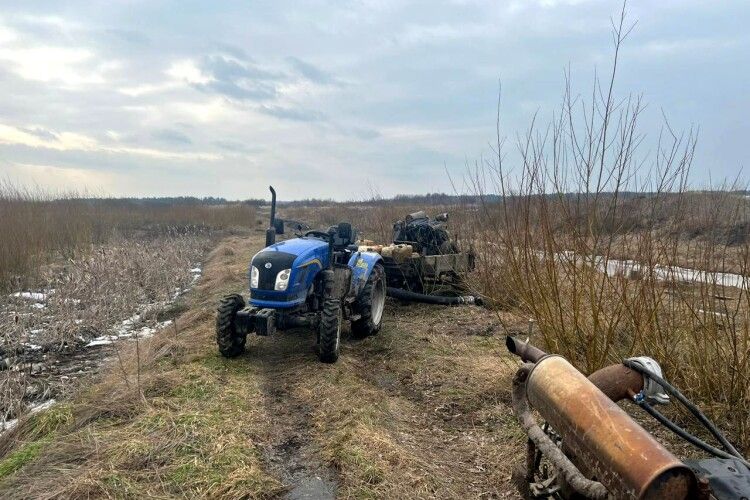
(617,381)
(524,350)
(624,457)
(570,474)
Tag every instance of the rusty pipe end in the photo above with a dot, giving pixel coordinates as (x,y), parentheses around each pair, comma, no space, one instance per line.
(618,382)
(523,350)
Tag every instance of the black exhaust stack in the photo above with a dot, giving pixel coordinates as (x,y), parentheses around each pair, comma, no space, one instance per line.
(271,231)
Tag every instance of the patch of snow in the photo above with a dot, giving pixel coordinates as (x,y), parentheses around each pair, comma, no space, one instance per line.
(33,347)
(103,340)
(35,296)
(97,343)
(196,270)
(675,273)
(42,406)
(36,332)
(631,268)
(7,425)
(715,313)
(38,305)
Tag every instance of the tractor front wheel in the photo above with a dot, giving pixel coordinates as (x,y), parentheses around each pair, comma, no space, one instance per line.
(231,342)
(370,304)
(329,331)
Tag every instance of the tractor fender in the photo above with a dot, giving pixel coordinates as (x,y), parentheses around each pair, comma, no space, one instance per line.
(362,264)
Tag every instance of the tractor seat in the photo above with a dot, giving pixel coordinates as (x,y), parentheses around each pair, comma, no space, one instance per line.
(344,235)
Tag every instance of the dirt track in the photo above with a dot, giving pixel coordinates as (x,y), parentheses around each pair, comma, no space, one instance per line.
(419,411)
(422,409)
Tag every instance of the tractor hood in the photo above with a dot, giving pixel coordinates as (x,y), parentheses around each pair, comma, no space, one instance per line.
(305,257)
(297,246)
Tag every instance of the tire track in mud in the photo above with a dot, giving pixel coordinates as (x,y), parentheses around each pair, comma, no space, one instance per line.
(290,452)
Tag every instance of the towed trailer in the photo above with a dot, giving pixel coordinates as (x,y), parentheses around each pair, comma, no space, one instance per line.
(423,264)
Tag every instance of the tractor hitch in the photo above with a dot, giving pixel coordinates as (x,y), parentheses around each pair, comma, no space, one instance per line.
(267,321)
(253,319)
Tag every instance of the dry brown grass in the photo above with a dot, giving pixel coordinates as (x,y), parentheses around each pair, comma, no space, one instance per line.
(39,227)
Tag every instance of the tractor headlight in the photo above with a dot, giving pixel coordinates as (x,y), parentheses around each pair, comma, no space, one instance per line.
(282,279)
(254,274)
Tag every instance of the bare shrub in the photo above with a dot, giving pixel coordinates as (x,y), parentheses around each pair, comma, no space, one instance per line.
(585,197)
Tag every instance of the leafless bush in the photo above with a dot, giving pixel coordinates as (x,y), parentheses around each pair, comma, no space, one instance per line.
(585,196)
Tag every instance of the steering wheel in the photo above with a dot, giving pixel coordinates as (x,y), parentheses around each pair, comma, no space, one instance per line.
(318,234)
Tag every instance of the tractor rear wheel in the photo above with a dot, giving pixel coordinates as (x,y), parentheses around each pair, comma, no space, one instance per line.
(231,342)
(329,331)
(370,304)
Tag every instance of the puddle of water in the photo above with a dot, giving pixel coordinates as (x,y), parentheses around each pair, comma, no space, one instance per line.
(312,488)
(307,480)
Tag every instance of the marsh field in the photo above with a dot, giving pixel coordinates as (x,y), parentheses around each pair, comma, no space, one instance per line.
(112,386)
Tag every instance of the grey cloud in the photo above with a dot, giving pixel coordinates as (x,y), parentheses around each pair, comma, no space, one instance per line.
(235,146)
(426,99)
(365,133)
(300,115)
(233,50)
(223,68)
(171,136)
(240,81)
(311,72)
(239,91)
(42,133)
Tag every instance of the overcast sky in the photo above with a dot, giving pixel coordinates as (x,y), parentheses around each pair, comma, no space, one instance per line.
(339,99)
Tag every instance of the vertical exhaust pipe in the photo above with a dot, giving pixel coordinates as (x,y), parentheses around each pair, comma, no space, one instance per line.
(271,231)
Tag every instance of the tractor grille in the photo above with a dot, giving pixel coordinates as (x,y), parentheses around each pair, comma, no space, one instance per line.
(278,261)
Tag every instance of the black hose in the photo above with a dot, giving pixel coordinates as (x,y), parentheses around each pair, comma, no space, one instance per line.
(398,293)
(686,435)
(673,391)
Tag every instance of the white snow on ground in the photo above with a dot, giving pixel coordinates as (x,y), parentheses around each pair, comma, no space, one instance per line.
(127,330)
(676,273)
(9,424)
(615,267)
(196,270)
(104,340)
(35,296)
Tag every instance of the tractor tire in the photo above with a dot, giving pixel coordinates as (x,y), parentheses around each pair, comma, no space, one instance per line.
(231,342)
(370,304)
(329,331)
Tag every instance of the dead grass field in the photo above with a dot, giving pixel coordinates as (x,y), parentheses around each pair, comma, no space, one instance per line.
(421,410)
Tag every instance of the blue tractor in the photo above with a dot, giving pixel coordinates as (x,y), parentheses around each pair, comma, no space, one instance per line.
(316,280)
